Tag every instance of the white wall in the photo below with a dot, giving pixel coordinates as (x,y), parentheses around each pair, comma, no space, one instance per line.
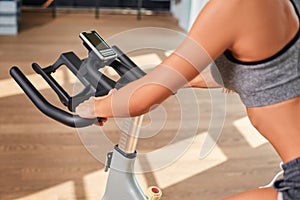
(186,11)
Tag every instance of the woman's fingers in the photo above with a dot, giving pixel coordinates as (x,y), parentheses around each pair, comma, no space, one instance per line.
(86,109)
(100,121)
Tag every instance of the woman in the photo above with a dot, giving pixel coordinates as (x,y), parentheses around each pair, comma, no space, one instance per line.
(255,45)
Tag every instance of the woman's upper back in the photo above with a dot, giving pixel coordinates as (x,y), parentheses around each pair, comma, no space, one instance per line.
(268,26)
(244,27)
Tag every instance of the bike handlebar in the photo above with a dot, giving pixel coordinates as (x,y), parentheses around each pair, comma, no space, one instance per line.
(44,106)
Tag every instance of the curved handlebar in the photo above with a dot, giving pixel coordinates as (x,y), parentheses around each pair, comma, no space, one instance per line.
(44,106)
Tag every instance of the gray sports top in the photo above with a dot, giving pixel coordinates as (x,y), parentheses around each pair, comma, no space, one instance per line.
(264,82)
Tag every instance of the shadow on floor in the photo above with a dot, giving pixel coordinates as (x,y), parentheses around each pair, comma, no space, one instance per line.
(32,19)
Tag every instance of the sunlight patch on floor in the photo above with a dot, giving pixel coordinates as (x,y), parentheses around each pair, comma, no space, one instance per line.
(64,191)
(189,164)
(251,135)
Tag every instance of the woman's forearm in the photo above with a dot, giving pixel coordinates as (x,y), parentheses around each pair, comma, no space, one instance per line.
(140,96)
(131,101)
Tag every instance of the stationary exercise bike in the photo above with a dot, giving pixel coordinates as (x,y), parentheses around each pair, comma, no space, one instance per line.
(121,183)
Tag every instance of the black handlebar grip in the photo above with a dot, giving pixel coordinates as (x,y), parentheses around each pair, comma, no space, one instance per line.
(44,106)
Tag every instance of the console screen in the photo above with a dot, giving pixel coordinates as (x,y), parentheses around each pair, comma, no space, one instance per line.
(97,41)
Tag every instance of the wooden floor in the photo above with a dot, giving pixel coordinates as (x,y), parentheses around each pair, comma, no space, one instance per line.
(42,159)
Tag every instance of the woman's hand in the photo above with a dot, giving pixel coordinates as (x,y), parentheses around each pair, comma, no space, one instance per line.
(87,108)
(203,80)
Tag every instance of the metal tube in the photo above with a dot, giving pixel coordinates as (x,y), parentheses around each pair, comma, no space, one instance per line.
(130,133)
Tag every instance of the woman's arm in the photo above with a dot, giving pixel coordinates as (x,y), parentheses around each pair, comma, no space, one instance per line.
(212,33)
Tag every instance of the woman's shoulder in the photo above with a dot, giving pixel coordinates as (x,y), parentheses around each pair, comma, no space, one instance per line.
(231,10)
(239,7)
(225,4)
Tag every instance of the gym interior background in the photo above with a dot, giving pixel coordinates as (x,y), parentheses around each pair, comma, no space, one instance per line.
(42,159)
